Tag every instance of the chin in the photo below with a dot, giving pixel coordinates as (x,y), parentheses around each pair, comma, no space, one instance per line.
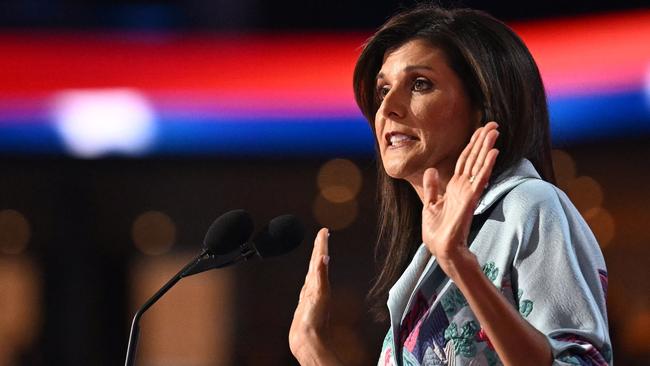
(398,171)
(402,164)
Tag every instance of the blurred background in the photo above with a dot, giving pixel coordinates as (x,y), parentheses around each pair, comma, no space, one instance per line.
(127,126)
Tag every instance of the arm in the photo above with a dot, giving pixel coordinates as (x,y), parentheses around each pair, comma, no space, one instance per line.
(561,279)
(309,333)
(445,227)
(514,339)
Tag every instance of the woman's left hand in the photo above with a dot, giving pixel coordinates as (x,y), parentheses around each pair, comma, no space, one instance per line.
(446,218)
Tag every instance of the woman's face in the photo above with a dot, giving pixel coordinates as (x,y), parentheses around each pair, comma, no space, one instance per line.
(425,117)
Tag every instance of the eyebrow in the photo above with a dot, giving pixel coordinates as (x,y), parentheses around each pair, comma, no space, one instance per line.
(409,68)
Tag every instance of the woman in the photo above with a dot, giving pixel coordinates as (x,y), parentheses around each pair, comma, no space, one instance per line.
(507,272)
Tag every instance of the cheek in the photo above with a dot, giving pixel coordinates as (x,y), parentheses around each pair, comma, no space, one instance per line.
(378,130)
(433,117)
(443,115)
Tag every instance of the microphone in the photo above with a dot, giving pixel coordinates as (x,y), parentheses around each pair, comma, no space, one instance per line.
(226,233)
(281,235)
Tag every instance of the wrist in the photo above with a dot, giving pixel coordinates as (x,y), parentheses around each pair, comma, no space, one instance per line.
(316,350)
(456,264)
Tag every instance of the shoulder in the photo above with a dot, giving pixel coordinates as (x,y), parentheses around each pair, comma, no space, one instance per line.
(520,187)
(542,213)
(536,208)
(534,196)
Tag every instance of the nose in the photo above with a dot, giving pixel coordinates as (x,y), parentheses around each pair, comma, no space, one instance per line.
(393,106)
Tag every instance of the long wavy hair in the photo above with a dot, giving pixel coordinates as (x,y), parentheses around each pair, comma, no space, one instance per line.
(501,79)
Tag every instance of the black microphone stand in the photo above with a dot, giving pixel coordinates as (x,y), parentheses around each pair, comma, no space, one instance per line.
(245,252)
(135,325)
(202,262)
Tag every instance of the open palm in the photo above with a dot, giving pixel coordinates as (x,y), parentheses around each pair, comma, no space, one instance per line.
(446,218)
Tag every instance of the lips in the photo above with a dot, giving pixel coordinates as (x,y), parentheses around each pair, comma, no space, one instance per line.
(397,139)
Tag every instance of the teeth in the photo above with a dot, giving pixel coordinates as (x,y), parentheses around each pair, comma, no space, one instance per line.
(396,139)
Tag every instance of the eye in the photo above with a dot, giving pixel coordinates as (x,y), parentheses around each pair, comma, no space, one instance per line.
(421,84)
(382,91)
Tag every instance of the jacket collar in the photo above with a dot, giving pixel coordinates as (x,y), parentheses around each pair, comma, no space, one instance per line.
(505,182)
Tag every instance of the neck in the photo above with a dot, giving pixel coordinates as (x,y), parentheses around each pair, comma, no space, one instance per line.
(416,181)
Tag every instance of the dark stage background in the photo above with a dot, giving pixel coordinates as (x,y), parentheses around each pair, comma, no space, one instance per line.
(85,239)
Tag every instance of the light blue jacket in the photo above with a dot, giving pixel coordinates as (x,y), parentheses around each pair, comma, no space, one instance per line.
(536,248)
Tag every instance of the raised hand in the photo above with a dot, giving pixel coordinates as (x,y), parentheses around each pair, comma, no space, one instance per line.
(446,218)
(309,334)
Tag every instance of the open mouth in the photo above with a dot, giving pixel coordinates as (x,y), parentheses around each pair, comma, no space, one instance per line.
(396,139)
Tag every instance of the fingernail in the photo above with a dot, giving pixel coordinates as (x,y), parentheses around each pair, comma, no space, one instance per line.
(328,233)
(326,259)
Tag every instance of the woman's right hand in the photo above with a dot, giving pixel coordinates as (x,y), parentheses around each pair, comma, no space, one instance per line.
(309,333)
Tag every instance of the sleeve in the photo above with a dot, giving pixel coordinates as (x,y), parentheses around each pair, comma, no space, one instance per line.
(559,278)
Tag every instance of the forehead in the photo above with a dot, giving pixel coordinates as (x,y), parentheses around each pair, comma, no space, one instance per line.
(417,52)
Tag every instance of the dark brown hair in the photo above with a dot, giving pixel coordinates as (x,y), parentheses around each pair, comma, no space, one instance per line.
(501,79)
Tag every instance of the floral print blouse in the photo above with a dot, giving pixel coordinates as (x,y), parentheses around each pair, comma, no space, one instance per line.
(535,247)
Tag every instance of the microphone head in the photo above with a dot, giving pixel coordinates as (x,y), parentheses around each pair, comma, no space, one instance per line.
(280,236)
(228,232)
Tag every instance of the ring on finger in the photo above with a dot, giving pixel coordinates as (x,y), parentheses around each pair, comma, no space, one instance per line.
(471,179)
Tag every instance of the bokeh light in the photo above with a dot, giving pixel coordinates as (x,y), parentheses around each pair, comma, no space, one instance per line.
(335,216)
(585,193)
(637,330)
(564,166)
(153,233)
(192,324)
(20,306)
(602,224)
(14,232)
(93,123)
(339,180)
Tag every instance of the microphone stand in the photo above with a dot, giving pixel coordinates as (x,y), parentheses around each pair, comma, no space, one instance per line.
(135,325)
(202,262)
(246,251)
